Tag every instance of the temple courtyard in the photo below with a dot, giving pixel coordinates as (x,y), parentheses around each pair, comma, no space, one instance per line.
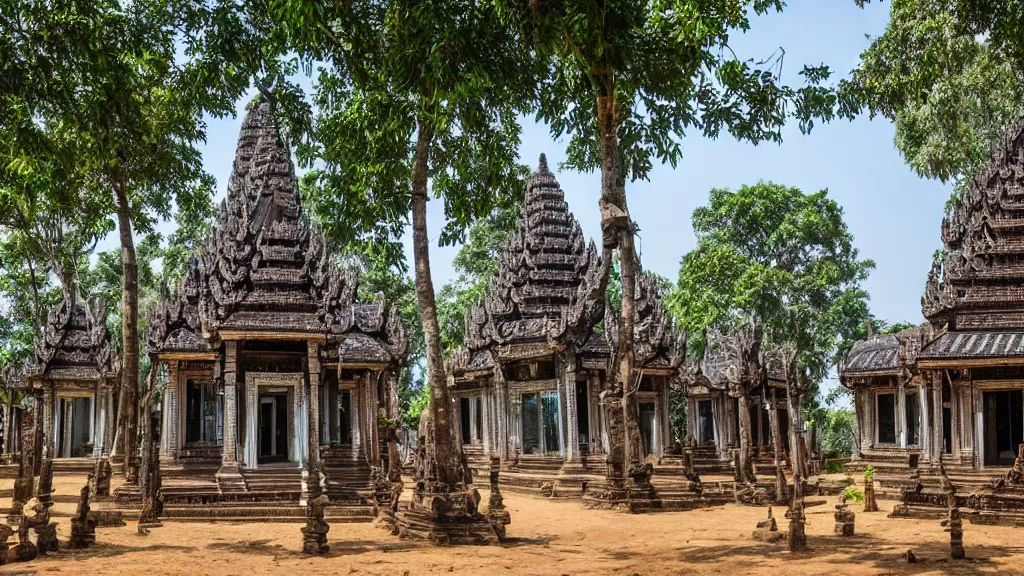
(545,537)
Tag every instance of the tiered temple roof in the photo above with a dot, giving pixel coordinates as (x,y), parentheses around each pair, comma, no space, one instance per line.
(543,297)
(267,273)
(542,292)
(884,354)
(979,285)
(75,345)
(656,345)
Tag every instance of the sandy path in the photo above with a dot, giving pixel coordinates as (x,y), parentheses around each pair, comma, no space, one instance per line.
(546,537)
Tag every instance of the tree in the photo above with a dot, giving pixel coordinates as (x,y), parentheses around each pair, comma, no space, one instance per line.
(117,91)
(787,259)
(948,74)
(411,93)
(626,81)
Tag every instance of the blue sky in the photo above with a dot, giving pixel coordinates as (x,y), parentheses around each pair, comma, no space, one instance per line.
(893,214)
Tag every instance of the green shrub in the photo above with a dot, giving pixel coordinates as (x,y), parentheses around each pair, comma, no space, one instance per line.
(851,493)
(833,467)
(869,474)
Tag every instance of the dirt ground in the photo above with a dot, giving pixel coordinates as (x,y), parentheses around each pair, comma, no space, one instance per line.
(545,537)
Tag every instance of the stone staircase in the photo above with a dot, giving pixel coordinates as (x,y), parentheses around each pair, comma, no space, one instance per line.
(479,463)
(348,474)
(77,466)
(531,473)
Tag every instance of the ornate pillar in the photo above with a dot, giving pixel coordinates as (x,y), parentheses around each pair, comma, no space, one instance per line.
(108,420)
(485,405)
(169,436)
(67,427)
(49,411)
(666,416)
(8,446)
(954,420)
(568,385)
(313,426)
(901,413)
(229,458)
(501,393)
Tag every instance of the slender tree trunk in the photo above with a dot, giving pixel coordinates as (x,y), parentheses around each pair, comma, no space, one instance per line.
(444,450)
(128,411)
(394,459)
(781,488)
(633,444)
(797,539)
(746,471)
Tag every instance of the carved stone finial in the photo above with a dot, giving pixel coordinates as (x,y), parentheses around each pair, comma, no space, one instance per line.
(542,165)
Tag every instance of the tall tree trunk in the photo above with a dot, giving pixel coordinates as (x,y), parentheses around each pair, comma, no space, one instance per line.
(797,539)
(445,452)
(631,427)
(394,471)
(128,412)
(746,471)
(781,488)
(626,449)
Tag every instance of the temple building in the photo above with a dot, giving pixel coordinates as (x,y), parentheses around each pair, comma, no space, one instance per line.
(526,387)
(952,392)
(713,393)
(264,339)
(76,375)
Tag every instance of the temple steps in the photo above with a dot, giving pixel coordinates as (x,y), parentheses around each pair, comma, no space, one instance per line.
(250,512)
(284,477)
(348,474)
(83,465)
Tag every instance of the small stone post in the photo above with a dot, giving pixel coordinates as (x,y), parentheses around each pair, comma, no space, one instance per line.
(844,518)
(870,504)
(496,504)
(83,528)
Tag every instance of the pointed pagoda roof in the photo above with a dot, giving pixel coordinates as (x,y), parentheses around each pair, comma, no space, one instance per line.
(266,270)
(75,344)
(541,293)
(975,293)
(657,345)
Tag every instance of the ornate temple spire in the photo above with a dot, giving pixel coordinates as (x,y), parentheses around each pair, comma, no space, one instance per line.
(75,343)
(981,269)
(544,286)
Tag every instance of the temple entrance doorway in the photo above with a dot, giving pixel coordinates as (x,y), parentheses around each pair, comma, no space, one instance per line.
(74,426)
(273,427)
(582,416)
(275,412)
(540,422)
(202,413)
(464,420)
(705,422)
(345,417)
(1004,426)
(647,426)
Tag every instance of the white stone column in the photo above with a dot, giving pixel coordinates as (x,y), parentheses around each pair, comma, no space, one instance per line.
(901,413)
(502,402)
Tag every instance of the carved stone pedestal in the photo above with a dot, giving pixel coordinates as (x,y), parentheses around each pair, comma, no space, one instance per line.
(844,519)
(797,538)
(496,511)
(767,530)
(314,533)
(956,534)
(83,526)
(101,483)
(446,518)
